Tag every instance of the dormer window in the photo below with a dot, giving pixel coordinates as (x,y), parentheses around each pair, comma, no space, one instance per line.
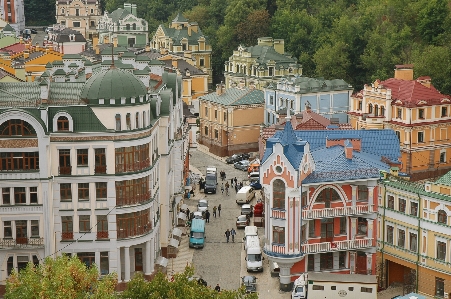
(72,37)
(134,26)
(421,113)
(77,12)
(271,71)
(127,27)
(62,123)
(62,11)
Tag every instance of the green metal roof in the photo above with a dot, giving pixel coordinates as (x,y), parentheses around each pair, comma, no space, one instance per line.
(166,103)
(236,96)
(88,62)
(72,56)
(128,54)
(57,62)
(156,62)
(73,64)
(445,179)
(142,58)
(116,50)
(60,91)
(59,72)
(113,84)
(8,41)
(45,74)
(8,28)
(48,65)
(119,14)
(179,18)
(141,72)
(83,117)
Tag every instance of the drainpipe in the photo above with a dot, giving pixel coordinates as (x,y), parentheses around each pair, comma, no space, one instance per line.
(383,233)
(418,242)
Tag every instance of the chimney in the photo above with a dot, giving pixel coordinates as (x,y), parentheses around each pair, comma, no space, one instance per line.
(44,91)
(174,62)
(394,171)
(279,46)
(218,89)
(133,10)
(348,149)
(128,7)
(189,29)
(404,71)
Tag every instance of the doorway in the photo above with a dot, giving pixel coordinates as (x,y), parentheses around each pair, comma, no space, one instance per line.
(361,263)
(327,230)
(131,41)
(138,259)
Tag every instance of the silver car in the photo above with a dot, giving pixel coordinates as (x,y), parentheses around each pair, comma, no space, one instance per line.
(242,165)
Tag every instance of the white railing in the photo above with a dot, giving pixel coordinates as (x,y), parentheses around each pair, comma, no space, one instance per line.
(337,245)
(337,212)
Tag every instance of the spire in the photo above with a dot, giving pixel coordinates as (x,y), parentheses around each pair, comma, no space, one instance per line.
(288,134)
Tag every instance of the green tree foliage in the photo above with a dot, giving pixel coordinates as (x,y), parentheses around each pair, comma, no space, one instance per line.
(39,12)
(61,278)
(181,287)
(432,19)
(256,25)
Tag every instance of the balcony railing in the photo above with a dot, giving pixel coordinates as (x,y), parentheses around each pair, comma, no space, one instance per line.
(275,213)
(134,232)
(126,201)
(67,236)
(337,212)
(21,242)
(337,246)
(65,170)
(137,166)
(100,169)
(102,235)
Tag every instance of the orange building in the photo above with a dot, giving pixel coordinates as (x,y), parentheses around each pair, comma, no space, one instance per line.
(418,113)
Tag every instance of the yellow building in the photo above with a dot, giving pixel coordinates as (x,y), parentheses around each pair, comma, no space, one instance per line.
(230,120)
(415,235)
(79,15)
(418,113)
(186,39)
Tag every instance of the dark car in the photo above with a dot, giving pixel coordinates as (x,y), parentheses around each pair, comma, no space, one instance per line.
(34,31)
(233,158)
(199,280)
(256,185)
(250,283)
(245,156)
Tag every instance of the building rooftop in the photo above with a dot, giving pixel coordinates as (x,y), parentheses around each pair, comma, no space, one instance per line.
(235,97)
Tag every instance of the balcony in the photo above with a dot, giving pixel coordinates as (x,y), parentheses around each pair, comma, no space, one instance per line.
(67,236)
(21,243)
(337,246)
(102,235)
(65,170)
(279,214)
(100,169)
(133,167)
(337,212)
(127,201)
(134,231)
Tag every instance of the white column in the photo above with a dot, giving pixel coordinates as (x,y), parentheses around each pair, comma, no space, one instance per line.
(353,227)
(97,260)
(148,253)
(370,228)
(285,276)
(369,263)
(152,252)
(370,195)
(354,194)
(352,256)
(127,264)
(118,260)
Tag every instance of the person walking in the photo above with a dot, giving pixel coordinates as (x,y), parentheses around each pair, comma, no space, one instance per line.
(236,188)
(227,188)
(214,211)
(233,233)
(235,180)
(227,234)
(219,210)
(207,216)
(222,188)
(217,288)
(231,181)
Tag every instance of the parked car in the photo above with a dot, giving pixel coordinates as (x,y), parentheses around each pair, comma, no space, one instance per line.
(241,165)
(250,282)
(198,215)
(242,221)
(254,176)
(233,159)
(202,206)
(245,156)
(199,279)
(256,185)
(247,210)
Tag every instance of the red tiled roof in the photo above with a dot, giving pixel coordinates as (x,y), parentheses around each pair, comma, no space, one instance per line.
(14,48)
(412,93)
(424,78)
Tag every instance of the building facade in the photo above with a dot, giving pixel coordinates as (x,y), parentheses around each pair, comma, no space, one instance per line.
(94,169)
(414,235)
(321,199)
(67,41)
(80,15)
(329,98)
(123,28)
(12,11)
(418,113)
(230,120)
(258,65)
(186,39)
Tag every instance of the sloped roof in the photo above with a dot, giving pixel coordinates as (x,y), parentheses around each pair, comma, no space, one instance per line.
(264,54)
(183,66)
(179,18)
(119,14)
(445,179)
(14,48)
(235,97)
(64,36)
(7,41)
(4,73)
(84,119)
(411,92)
(178,34)
(72,56)
(8,28)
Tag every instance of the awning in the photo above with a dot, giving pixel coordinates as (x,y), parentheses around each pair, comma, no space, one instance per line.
(182,216)
(177,232)
(188,188)
(184,207)
(174,243)
(178,199)
(162,261)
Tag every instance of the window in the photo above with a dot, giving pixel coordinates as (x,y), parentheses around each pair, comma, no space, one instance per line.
(134,26)
(84,222)
(389,234)
(398,134)
(6,193)
(444,111)
(271,100)
(376,110)
(34,195)
(304,199)
(206,111)
(441,217)
(100,160)
(87,258)
(127,27)
(144,119)
(137,120)
(316,287)
(278,234)
(360,106)
(83,191)
(67,228)
(76,24)
(342,259)
(77,12)
(216,134)
(443,157)
(201,62)
(34,228)
(402,205)
(62,123)
(206,130)
(17,161)
(439,287)
(421,113)
(7,230)
(420,137)
(92,23)
(104,263)
(351,289)
(118,122)
(133,224)
(362,226)
(362,193)
(82,157)
(216,114)
(271,71)
(16,127)
(401,238)
(327,195)
(333,288)
(391,202)
(370,108)
(366,290)
(102,227)
(311,228)
(133,158)
(311,263)
(22,262)
(128,122)
(413,242)
(278,194)
(64,161)
(326,261)
(62,11)
(441,251)
(10,265)
(225,117)
(20,195)
(342,225)
(21,231)
(382,111)
(399,112)
(101,190)
(65,192)
(413,208)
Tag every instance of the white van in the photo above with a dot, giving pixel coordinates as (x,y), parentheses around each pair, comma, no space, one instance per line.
(300,287)
(254,176)
(245,195)
(250,240)
(254,259)
(249,232)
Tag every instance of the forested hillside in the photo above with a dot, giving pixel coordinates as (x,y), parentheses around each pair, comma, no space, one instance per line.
(356,40)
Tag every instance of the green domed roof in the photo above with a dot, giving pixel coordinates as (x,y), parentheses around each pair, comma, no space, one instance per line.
(113,84)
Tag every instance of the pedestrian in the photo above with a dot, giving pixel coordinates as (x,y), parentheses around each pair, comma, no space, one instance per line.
(233,233)
(235,180)
(219,210)
(227,234)
(214,211)
(241,184)
(207,216)
(222,188)
(227,188)
(236,188)
(231,181)
(217,288)
(188,213)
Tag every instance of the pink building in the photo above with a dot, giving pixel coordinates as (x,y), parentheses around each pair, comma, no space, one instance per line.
(321,199)
(67,41)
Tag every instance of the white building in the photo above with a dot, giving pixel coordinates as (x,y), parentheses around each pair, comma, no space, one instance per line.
(93,169)
(12,11)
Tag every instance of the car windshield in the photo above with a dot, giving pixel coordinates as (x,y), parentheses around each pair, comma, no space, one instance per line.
(254,257)
(197,235)
(248,280)
(210,181)
(245,211)
(299,289)
(242,218)
(203,204)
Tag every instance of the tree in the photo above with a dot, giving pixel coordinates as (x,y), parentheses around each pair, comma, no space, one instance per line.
(332,61)
(64,277)
(39,12)
(180,287)
(256,25)
(432,19)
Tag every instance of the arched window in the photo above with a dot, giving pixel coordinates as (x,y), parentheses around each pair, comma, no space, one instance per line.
(382,111)
(137,120)
(134,26)
(327,195)
(128,122)
(441,217)
(127,27)
(62,11)
(376,110)
(370,108)
(118,122)
(16,127)
(144,119)
(62,123)
(206,131)
(278,194)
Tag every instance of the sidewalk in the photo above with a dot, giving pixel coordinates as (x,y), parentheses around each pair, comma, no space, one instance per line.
(205,150)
